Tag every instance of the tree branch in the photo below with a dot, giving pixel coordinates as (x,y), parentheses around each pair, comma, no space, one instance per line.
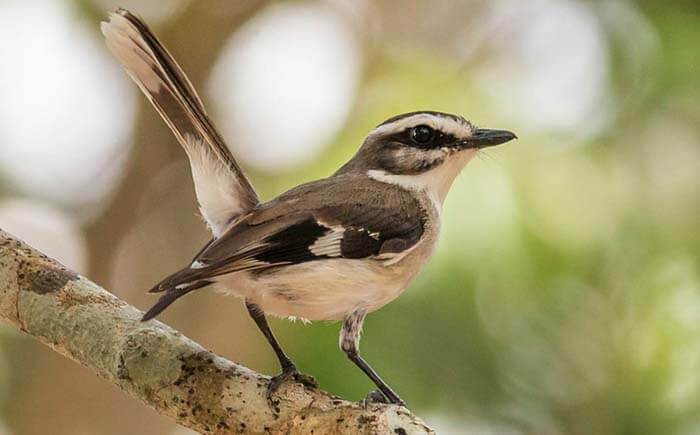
(162,368)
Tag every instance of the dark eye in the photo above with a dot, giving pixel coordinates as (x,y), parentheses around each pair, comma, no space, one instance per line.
(422,134)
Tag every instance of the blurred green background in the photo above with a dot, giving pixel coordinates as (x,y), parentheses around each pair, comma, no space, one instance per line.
(564,297)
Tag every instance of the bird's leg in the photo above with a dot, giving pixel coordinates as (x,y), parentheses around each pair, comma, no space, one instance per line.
(289,370)
(259,317)
(350,344)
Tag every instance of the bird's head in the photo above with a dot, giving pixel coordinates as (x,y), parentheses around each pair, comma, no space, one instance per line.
(422,150)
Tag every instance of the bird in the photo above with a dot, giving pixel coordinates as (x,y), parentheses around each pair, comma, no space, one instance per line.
(337,248)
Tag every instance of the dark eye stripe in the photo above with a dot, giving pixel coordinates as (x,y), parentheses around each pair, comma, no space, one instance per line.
(405,138)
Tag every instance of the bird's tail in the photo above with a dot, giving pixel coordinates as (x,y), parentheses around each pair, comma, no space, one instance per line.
(171,295)
(175,286)
(223,191)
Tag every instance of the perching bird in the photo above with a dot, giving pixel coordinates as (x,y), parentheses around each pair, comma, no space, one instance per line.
(332,249)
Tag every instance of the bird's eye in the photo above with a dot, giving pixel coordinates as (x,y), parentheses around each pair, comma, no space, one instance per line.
(422,134)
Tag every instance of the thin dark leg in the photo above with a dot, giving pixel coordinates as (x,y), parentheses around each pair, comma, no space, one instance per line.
(289,370)
(369,371)
(259,317)
(350,344)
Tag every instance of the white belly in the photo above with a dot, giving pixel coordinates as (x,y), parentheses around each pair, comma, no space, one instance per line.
(321,290)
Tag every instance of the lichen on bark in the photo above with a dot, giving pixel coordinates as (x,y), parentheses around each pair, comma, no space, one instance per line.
(164,369)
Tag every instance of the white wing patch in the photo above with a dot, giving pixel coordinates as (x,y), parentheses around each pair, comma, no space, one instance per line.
(329,244)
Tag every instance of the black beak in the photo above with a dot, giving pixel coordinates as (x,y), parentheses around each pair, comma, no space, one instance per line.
(483,137)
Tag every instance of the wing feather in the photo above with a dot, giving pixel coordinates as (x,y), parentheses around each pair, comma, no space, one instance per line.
(310,226)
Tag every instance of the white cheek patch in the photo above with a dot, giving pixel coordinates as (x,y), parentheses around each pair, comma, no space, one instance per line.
(435,182)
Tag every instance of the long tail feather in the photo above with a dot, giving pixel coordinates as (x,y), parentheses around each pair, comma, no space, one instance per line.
(223,191)
(171,296)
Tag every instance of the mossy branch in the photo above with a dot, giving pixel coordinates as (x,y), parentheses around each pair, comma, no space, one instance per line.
(164,369)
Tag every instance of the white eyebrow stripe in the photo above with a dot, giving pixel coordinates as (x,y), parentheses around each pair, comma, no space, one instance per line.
(445,124)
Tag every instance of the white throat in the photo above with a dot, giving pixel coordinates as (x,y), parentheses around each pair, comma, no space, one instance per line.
(435,182)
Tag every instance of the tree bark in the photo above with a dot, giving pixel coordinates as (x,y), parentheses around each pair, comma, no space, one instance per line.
(162,368)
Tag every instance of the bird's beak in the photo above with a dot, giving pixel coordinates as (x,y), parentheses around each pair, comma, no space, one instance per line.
(483,137)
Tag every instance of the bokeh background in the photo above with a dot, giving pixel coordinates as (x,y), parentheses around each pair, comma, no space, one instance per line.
(564,297)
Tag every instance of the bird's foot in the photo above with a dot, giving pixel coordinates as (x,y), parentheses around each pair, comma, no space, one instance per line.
(289,372)
(377,396)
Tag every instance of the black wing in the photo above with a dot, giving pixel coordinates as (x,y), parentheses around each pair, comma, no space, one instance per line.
(337,218)
(306,238)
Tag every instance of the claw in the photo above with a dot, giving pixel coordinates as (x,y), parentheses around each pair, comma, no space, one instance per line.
(287,373)
(376,396)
